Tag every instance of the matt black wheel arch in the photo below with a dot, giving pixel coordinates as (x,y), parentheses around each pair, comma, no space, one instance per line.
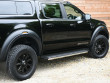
(15,36)
(102,30)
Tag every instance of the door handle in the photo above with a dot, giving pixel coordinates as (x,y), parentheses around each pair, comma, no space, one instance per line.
(72,25)
(50,25)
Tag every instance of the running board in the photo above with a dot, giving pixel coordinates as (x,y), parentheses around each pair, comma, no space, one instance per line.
(64,54)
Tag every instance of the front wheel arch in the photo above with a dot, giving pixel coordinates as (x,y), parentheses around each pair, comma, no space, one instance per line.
(101,30)
(99,49)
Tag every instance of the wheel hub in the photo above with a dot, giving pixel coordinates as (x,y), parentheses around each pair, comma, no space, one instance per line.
(23,62)
(100,47)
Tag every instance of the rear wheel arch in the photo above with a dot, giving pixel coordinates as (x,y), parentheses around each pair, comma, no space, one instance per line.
(15,37)
(27,40)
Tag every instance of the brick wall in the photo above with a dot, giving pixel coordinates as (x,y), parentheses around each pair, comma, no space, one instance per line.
(99,9)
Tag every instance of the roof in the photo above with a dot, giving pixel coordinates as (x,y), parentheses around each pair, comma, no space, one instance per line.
(47,1)
(50,0)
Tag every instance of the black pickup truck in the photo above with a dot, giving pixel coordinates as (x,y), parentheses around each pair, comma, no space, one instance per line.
(32,30)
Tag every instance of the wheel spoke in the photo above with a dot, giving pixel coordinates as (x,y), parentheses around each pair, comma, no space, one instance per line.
(26,68)
(18,64)
(19,59)
(24,63)
(19,69)
(29,60)
(23,70)
(100,46)
(29,65)
(24,56)
(27,56)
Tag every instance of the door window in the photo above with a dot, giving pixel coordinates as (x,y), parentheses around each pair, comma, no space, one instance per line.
(73,13)
(51,10)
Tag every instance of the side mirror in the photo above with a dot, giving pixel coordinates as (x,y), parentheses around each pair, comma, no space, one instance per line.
(87,17)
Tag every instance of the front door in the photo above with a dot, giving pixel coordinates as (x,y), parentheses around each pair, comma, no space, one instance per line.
(81,28)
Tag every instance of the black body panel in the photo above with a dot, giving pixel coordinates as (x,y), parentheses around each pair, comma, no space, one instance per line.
(50,34)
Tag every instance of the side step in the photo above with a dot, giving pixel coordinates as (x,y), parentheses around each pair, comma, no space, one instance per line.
(64,54)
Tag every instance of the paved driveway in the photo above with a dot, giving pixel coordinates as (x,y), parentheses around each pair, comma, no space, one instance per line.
(76,69)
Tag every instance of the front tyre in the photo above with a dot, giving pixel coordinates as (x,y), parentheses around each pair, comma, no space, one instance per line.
(21,62)
(99,47)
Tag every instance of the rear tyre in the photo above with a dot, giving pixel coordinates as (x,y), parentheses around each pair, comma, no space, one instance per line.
(21,62)
(99,47)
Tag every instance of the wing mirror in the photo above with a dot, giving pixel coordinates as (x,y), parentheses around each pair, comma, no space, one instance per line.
(87,16)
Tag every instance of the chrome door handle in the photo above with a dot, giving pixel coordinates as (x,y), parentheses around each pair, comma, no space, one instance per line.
(50,25)
(72,25)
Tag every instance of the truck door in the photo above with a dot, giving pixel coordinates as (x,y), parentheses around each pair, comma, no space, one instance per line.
(56,31)
(82,28)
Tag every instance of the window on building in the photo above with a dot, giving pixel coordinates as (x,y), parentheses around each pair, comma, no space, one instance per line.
(51,10)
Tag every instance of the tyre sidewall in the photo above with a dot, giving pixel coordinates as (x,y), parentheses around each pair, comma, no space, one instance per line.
(13,59)
(92,50)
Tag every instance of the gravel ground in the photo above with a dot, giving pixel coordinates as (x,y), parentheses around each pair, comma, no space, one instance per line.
(76,69)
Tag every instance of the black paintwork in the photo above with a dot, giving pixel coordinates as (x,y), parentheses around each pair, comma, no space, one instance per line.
(47,34)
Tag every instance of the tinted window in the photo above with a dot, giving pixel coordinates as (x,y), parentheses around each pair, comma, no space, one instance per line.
(73,13)
(52,10)
(7,8)
(24,8)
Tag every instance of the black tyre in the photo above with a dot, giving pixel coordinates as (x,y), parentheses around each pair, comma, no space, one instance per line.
(21,62)
(99,47)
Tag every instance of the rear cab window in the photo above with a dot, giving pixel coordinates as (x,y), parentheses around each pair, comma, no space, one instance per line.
(7,8)
(24,8)
(51,10)
(16,9)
